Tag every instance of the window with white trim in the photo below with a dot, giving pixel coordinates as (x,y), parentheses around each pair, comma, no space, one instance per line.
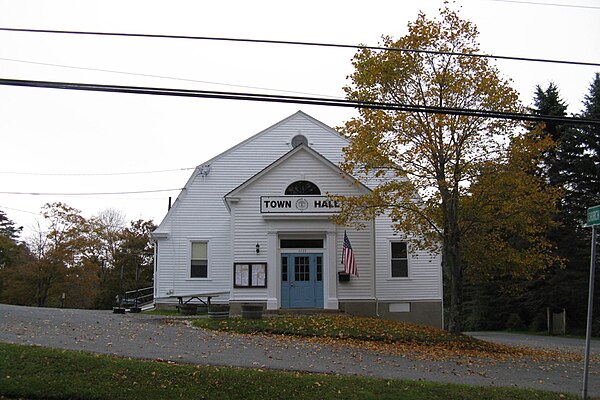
(199,260)
(399,259)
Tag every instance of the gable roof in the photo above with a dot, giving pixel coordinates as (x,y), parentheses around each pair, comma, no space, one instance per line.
(198,169)
(274,126)
(288,155)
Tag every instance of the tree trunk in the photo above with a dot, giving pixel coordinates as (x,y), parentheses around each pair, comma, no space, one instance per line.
(452,258)
(454,268)
(41,292)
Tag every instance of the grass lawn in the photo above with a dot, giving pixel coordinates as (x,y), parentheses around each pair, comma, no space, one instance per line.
(39,373)
(381,335)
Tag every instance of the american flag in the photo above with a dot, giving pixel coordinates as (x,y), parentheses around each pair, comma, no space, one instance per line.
(348,257)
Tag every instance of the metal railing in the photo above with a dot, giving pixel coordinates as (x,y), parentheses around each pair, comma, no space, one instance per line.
(138,298)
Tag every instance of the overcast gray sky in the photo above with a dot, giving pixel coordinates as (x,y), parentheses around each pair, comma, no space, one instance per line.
(48,135)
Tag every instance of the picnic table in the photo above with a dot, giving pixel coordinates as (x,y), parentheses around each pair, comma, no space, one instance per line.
(187,297)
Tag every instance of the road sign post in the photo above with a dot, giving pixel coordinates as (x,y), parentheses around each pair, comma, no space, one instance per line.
(593,219)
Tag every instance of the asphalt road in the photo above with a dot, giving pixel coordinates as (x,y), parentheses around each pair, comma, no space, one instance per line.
(573,345)
(152,337)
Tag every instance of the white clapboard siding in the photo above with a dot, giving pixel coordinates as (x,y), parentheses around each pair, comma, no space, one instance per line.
(250,226)
(425,270)
(361,287)
(199,213)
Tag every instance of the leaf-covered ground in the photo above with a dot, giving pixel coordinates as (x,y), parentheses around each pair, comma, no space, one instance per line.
(37,373)
(384,336)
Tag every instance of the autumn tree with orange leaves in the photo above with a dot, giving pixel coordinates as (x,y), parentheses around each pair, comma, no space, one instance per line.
(74,261)
(427,163)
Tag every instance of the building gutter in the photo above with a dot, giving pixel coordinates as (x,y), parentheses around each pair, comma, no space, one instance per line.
(374,252)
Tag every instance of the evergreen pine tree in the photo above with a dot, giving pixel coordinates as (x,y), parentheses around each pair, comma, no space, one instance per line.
(575,166)
(587,186)
(548,102)
(10,248)
(8,228)
(12,252)
(586,189)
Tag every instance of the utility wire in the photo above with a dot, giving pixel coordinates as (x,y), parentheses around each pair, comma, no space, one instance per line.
(17,209)
(297,43)
(548,4)
(296,100)
(95,174)
(91,194)
(154,76)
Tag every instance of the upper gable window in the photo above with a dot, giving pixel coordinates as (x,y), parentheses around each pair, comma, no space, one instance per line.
(298,140)
(302,188)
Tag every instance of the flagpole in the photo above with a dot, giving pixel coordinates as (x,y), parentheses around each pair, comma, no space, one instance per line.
(343,249)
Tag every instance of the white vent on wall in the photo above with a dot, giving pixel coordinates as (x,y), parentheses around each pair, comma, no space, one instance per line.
(399,307)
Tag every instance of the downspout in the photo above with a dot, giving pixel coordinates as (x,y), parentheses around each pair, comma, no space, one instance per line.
(155,245)
(232,293)
(374,257)
(441,288)
(172,291)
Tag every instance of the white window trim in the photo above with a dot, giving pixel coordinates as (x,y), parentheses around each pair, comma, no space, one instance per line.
(189,260)
(408,260)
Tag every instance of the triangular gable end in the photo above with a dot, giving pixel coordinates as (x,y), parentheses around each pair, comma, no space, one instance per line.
(161,227)
(234,193)
(275,126)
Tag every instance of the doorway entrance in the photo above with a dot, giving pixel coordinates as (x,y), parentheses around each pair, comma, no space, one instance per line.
(302,280)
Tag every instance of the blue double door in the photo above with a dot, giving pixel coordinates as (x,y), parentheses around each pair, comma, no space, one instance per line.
(302,280)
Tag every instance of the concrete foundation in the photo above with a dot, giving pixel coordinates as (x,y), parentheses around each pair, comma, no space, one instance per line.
(422,313)
(427,313)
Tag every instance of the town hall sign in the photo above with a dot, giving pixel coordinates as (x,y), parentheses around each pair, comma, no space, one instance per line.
(298,204)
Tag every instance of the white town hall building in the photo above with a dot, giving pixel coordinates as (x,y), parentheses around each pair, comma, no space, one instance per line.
(253,222)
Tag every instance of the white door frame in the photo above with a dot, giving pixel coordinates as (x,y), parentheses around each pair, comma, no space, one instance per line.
(330,300)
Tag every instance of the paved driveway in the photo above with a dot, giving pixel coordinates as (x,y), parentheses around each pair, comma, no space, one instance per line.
(572,345)
(152,337)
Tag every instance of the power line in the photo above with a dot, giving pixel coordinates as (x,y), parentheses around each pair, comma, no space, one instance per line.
(23,211)
(548,4)
(91,194)
(153,76)
(95,174)
(297,43)
(296,100)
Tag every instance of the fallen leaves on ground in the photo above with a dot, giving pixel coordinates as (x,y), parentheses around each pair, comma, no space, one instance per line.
(387,337)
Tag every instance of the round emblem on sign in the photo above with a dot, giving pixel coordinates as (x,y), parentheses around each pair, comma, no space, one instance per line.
(301,204)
